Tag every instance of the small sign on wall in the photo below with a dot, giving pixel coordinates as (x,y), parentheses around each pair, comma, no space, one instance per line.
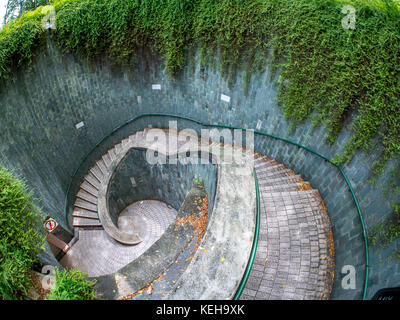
(156,86)
(259,124)
(79,125)
(225,98)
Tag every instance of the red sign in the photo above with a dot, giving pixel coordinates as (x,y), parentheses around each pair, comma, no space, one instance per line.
(50,225)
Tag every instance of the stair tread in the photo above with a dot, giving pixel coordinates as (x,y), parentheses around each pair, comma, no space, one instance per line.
(84,222)
(274,181)
(279,188)
(299,193)
(296,184)
(89,188)
(117,148)
(95,170)
(87,196)
(271,168)
(90,178)
(102,166)
(111,154)
(79,212)
(85,205)
(106,160)
(125,142)
(272,174)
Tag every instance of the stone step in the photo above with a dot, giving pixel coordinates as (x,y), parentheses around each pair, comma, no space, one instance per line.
(106,160)
(125,142)
(273,175)
(281,180)
(102,166)
(261,159)
(96,171)
(264,164)
(286,187)
(90,178)
(85,205)
(83,222)
(117,148)
(271,168)
(79,212)
(111,154)
(89,188)
(298,200)
(307,194)
(82,194)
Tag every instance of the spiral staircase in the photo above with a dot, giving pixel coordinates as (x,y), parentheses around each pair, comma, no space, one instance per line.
(295,254)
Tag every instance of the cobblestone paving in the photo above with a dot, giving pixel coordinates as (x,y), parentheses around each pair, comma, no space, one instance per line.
(97,254)
(295,252)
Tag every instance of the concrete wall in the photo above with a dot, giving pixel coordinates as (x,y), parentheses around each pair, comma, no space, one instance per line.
(168,183)
(39,111)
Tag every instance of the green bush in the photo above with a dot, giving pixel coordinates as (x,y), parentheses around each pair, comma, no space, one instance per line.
(20,240)
(71,285)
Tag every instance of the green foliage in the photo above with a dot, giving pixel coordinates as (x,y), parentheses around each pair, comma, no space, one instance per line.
(382,234)
(18,41)
(72,285)
(198,181)
(326,72)
(20,242)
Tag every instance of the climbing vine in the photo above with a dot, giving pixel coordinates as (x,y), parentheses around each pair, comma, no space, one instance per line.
(382,234)
(327,72)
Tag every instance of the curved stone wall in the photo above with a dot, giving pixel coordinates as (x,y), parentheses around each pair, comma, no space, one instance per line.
(135,179)
(41,108)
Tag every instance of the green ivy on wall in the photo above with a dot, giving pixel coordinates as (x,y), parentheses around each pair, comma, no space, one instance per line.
(328,73)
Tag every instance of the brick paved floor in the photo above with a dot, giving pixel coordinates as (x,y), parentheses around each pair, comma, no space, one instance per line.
(97,254)
(294,259)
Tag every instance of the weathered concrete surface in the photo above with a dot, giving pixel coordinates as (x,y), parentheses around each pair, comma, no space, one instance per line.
(153,262)
(218,266)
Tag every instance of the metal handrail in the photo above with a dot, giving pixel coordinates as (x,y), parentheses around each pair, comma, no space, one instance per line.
(256,132)
(255,243)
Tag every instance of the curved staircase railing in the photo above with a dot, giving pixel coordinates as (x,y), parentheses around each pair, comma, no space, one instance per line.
(254,248)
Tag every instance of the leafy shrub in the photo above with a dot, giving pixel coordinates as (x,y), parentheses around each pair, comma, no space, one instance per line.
(384,233)
(198,181)
(20,240)
(71,285)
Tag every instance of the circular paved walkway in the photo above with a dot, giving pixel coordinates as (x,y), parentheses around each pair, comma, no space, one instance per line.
(97,254)
(295,255)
